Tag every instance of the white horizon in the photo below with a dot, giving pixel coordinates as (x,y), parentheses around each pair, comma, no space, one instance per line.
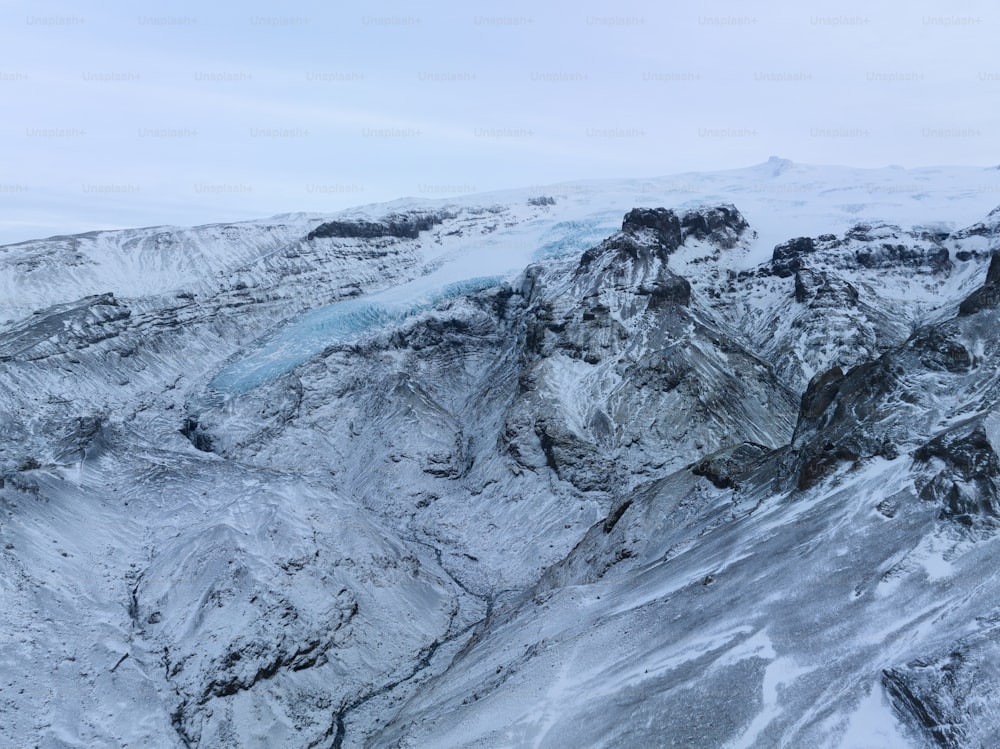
(123,118)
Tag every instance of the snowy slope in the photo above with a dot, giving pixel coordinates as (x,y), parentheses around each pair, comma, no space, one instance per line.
(511,471)
(780,199)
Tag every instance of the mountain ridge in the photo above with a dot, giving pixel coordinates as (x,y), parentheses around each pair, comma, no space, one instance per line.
(638,481)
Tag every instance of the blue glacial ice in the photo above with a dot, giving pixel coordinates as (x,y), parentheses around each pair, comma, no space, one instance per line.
(339,323)
(567,237)
(348,321)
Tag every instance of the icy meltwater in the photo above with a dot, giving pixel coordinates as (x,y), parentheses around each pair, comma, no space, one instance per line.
(460,273)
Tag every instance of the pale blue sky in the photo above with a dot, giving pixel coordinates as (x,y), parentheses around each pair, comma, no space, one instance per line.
(115,114)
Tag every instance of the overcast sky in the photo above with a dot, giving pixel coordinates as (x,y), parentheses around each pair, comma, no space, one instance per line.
(144,113)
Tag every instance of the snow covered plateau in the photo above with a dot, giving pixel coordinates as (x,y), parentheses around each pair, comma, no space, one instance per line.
(708,460)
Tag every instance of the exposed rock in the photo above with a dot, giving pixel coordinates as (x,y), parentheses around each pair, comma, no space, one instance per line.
(988,295)
(192,429)
(400,226)
(726,468)
(29,464)
(661,224)
(650,234)
(668,289)
(786,258)
(822,290)
(65,327)
(721,225)
(829,432)
(966,486)
(822,389)
(951,696)
(887,255)
(941,349)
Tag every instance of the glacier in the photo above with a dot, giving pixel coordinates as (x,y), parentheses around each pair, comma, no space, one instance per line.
(706,460)
(337,324)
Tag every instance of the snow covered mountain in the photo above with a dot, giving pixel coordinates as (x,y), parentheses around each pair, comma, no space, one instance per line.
(700,461)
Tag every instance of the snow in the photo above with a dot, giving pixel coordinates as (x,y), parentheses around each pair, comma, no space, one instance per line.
(872,725)
(780,199)
(779,674)
(339,324)
(581,218)
(749,617)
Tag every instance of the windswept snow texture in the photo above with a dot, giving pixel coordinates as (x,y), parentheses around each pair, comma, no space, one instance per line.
(708,460)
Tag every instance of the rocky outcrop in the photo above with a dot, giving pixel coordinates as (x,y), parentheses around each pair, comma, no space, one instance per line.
(951,696)
(786,259)
(819,394)
(988,295)
(722,225)
(941,349)
(820,290)
(967,483)
(833,408)
(568,500)
(65,327)
(398,226)
(626,315)
(196,434)
(727,468)
(885,255)
(662,225)
(667,290)
(864,247)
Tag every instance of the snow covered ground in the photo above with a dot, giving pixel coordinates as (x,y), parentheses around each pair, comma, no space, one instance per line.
(506,483)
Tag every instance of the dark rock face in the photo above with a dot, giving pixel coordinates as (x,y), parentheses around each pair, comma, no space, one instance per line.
(625,249)
(668,289)
(880,247)
(833,406)
(941,350)
(542,200)
(865,248)
(787,256)
(196,435)
(821,290)
(726,468)
(722,225)
(400,226)
(660,232)
(966,484)
(893,255)
(663,222)
(951,696)
(987,296)
(993,274)
(822,390)
(818,466)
